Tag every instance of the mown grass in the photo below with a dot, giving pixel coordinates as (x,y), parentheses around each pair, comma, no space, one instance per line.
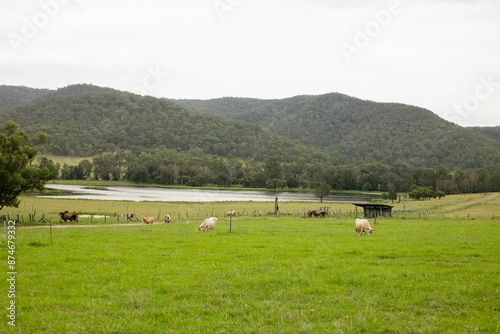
(269,275)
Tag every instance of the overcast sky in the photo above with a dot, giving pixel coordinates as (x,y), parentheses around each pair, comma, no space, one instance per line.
(443,55)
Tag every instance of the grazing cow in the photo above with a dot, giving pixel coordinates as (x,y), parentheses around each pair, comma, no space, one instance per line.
(130,216)
(230,213)
(316,213)
(363,226)
(321,213)
(68,216)
(168,219)
(208,224)
(148,220)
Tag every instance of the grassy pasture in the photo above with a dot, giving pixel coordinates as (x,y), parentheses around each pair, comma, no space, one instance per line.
(269,275)
(183,211)
(474,206)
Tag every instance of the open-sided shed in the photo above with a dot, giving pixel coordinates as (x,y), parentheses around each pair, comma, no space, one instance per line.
(375,210)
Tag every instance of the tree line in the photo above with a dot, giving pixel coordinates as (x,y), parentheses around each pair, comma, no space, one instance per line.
(193,168)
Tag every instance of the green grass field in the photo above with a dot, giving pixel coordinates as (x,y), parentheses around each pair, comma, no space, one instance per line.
(269,275)
(472,206)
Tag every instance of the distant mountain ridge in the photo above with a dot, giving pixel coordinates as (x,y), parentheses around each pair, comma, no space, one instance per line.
(85,119)
(492,132)
(13,96)
(352,131)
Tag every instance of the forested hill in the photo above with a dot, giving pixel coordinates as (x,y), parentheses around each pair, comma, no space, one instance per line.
(13,96)
(492,132)
(86,120)
(351,130)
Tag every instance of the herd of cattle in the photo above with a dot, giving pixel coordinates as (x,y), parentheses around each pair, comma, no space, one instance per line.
(151,220)
(362,225)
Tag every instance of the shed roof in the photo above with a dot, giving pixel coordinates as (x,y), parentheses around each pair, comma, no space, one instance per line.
(373,205)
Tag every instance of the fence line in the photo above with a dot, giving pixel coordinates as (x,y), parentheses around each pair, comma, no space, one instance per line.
(31,218)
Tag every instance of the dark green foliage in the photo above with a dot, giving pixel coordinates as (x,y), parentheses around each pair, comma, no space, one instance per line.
(16,173)
(392,195)
(490,132)
(322,191)
(351,130)
(85,124)
(422,193)
(300,142)
(13,96)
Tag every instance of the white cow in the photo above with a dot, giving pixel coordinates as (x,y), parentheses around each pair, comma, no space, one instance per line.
(208,224)
(363,226)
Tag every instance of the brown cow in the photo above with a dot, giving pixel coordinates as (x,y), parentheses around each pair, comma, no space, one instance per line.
(68,216)
(321,213)
(316,213)
(230,213)
(148,220)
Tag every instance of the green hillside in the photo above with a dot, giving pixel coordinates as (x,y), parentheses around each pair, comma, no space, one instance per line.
(492,132)
(86,120)
(13,96)
(353,131)
(324,142)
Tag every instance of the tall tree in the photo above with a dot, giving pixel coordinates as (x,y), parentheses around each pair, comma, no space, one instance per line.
(16,173)
(273,168)
(322,190)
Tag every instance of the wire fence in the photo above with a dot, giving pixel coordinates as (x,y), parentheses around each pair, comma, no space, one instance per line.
(90,218)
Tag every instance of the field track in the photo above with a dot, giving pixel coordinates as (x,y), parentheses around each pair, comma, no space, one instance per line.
(72,226)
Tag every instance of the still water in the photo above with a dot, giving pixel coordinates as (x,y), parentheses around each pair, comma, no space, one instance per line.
(140,194)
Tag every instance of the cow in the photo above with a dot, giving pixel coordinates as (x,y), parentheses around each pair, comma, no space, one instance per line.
(68,216)
(316,213)
(148,220)
(363,226)
(130,216)
(230,213)
(208,224)
(168,219)
(321,213)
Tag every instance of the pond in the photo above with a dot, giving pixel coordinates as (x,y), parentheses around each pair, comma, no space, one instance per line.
(140,194)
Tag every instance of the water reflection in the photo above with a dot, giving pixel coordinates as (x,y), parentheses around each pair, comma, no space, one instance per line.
(141,194)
